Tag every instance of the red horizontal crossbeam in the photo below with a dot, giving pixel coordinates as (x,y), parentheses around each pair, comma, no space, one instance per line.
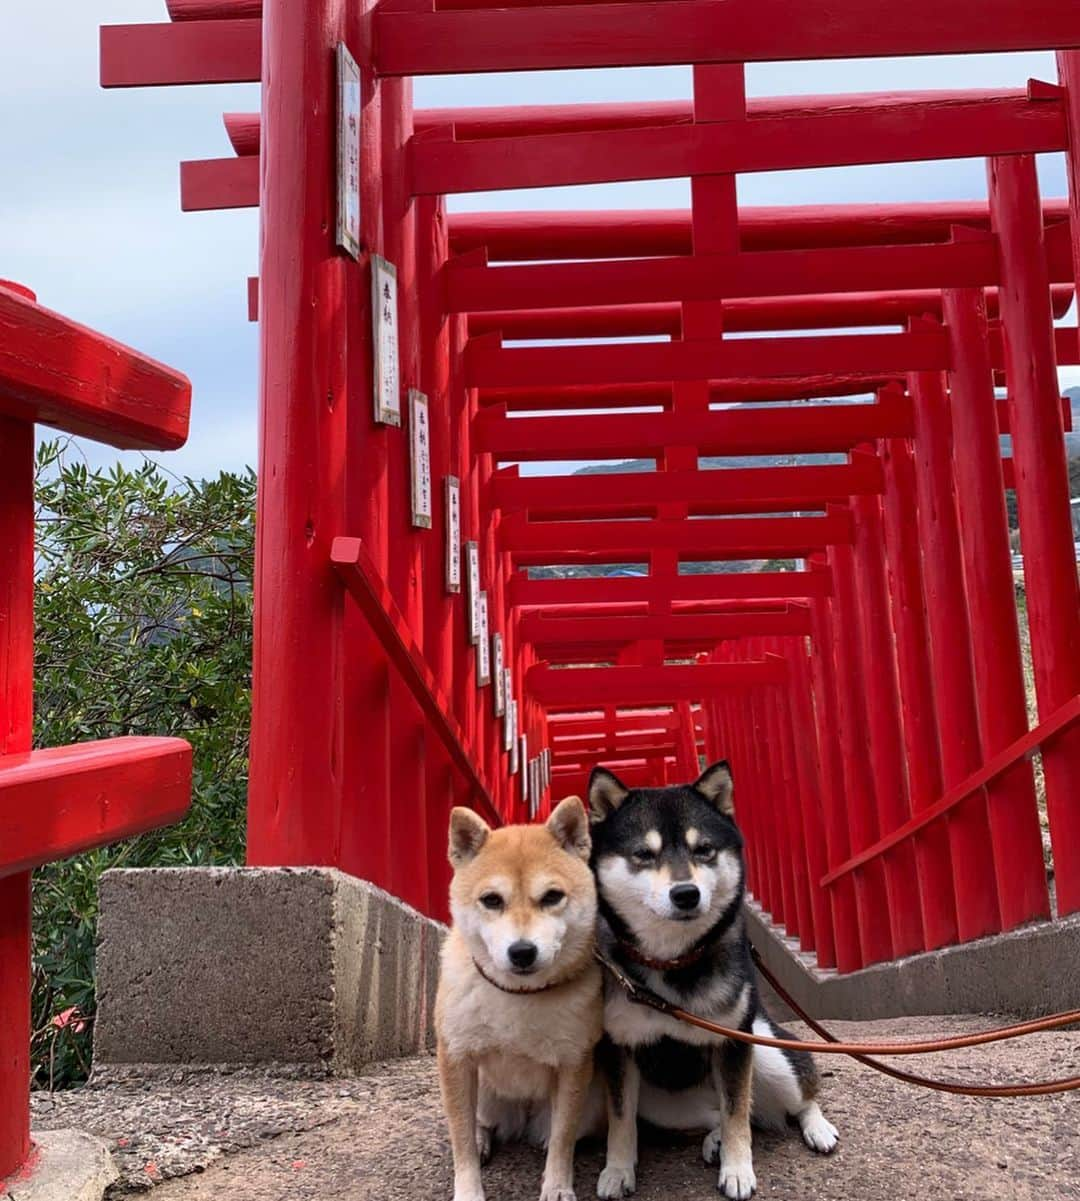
(647,685)
(357,571)
(799,429)
(490,365)
(60,802)
(621,233)
(604,396)
(542,629)
(56,372)
(731,490)
(543,38)
(836,133)
(474,287)
(572,725)
(841,311)
(219,183)
(197,51)
(213,10)
(709,538)
(758,585)
(1022,749)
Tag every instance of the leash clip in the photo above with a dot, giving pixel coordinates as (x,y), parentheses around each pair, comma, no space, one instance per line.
(637,993)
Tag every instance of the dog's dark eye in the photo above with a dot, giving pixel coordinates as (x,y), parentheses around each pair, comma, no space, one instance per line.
(644,855)
(551,898)
(491,900)
(704,851)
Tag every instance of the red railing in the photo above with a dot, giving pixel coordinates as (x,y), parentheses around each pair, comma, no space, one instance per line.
(57,802)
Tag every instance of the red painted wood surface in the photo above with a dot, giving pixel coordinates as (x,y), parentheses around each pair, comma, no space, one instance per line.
(721,31)
(200,51)
(1052,591)
(16,720)
(802,429)
(59,802)
(602,234)
(843,135)
(58,373)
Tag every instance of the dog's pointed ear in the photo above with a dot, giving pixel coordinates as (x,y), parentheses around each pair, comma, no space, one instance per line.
(606,793)
(716,786)
(569,825)
(468,833)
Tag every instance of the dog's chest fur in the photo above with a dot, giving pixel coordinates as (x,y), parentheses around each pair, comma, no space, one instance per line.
(518,1039)
(670,1053)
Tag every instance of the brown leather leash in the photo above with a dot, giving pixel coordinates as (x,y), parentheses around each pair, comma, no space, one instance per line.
(863,1052)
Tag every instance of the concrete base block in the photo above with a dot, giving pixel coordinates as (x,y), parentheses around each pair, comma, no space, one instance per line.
(1029,972)
(255,965)
(65,1165)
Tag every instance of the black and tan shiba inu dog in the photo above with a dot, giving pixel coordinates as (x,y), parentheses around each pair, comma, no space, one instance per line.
(670,877)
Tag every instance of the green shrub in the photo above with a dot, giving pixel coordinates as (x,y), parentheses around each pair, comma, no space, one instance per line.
(143,626)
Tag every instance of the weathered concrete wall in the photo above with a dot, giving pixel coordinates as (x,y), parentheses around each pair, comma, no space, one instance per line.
(1029,972)
(244,965)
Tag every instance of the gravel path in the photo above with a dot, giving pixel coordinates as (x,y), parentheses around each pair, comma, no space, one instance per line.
(261,1135)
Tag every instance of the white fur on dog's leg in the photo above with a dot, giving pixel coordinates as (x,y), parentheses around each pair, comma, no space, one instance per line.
(712,1147)
(616,1180)
(737,1180)
(468,1190)
(818,1132)
(557,1193)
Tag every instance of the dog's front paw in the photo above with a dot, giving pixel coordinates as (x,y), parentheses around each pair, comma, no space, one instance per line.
(558,1192)
(711,1148)
(818,1132)
(616,1180)
(468,1192)
(737,1180)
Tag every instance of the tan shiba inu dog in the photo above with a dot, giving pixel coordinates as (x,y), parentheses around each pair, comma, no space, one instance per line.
(519,1007)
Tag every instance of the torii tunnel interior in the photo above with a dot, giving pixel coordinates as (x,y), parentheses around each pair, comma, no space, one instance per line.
(797,555)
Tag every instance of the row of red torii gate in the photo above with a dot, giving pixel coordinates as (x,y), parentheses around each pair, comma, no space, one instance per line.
(425,633)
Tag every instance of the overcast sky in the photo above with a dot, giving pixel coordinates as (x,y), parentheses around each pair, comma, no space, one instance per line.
(89,204)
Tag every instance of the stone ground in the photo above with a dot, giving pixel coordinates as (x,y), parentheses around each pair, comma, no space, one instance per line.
(284,1135)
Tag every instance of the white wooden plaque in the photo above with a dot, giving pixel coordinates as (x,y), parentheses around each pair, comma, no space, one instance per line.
(472,579)
(348,152)
(547,767)
(511,709)
(483,646)
(508,701)
(524,755)
(498,674)
(420,459)
(384,315)
(452,486)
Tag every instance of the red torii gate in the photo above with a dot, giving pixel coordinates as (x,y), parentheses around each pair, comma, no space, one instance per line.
(62,800)
(879,730)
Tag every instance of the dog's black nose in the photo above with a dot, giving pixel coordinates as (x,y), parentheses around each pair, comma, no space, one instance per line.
(685,896)
(522,954)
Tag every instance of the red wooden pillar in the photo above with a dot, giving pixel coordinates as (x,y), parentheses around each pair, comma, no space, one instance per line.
(870,891)
(779,793)
(791,800)
(923,749)
(298,739)
(16,718)
(842,896)
(984,536)
(977,907)
(883,710)
(1042,494)
(813,816)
